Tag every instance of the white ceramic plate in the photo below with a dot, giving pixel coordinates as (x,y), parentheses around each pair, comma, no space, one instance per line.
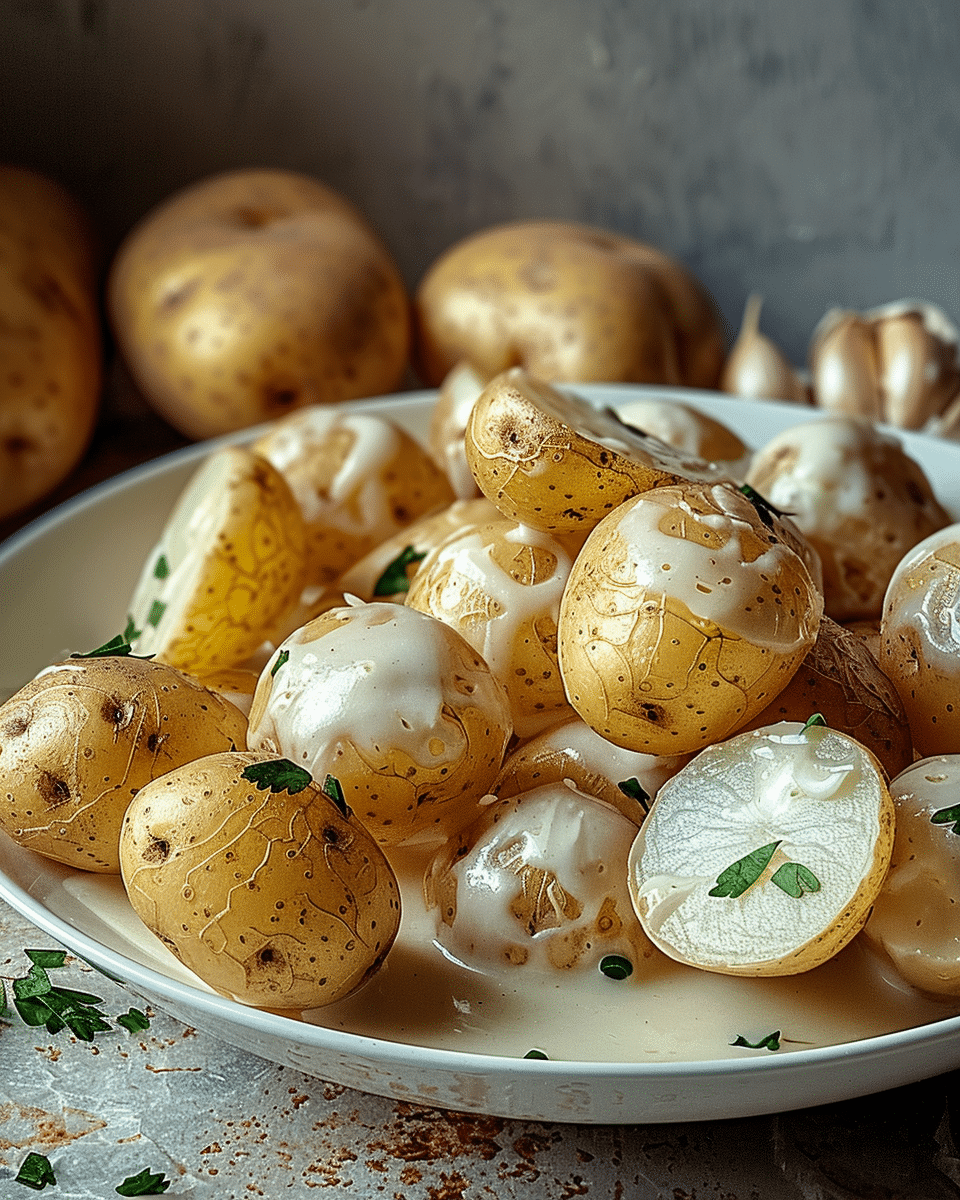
(64,585)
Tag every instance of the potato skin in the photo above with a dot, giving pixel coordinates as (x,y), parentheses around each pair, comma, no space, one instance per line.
(567,302)
(50,336)
(79,741)
(274,898)
(253,293)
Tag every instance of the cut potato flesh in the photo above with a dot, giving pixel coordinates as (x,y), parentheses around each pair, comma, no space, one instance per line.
(227,567)
(764,854)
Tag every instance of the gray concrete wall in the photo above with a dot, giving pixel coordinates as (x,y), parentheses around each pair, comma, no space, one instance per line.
(806,149)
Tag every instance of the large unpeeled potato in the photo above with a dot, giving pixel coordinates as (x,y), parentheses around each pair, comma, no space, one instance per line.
(253,293)
(568,303)
(50,336)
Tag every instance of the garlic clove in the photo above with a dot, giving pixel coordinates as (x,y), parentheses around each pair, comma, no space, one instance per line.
(919,363)
(756,368)
(843,366)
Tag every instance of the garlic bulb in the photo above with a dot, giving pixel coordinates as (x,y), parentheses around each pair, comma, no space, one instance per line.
(898,363)
(755,368)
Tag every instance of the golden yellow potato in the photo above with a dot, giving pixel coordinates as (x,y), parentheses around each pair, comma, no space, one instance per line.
(253,293)
(920,640)
(79,741)
(357,477)
(227,568)
(499,586)
(689,430)
(260,880)
(50,336)
(394,703)
(764,854)
(553,461)
(685,613)
(567,302)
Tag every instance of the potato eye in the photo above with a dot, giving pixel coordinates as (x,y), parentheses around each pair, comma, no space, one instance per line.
(157,852)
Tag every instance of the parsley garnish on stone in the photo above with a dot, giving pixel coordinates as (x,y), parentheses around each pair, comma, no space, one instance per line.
(161,568)
(40,1002)
(332,788)
(632,788)
(155,615)
(279,775)
(814,722)
(948,816)
(134,1020)
(144,1183)
(395,579)
(282,657)
(770,1042)
(536,1054)
(36,1172)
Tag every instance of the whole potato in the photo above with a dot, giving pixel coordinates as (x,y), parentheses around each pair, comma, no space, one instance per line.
(260,880)
(567,302)
(253,293)
(50,336)
(80,740)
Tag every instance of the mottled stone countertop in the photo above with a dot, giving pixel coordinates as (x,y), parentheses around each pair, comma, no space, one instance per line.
(220,1122)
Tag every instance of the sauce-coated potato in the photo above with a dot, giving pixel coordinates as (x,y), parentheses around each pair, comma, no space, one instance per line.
(499,585)
(395,704)
(920,640)
(859,498)
(683,616)
(79,741)
(259,882)
(567,302)
(358,478)
(553,461)
(538,882)
(50,337)
(253,293)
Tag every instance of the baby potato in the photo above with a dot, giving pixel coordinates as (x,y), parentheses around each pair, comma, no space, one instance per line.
(79,741)
(358,479)
(228,566)
(252,293)
(571,750)
(685,614)
(499,585)
(50,336)
(395,704)
(764,854)
(920,640)
(914,921)
(857,496)
(385,573)
(841,680)
(260,880)
(553,461)
(566,302)
(690,431)
(538,882)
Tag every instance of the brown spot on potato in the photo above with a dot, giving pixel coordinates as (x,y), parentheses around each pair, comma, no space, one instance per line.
(157,851)
(55,791)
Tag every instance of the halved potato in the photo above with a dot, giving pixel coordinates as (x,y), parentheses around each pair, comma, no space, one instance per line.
(227,567)
(765,853)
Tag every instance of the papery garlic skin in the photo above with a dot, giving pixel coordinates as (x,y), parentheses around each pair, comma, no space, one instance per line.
(756,368)
(898,363)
